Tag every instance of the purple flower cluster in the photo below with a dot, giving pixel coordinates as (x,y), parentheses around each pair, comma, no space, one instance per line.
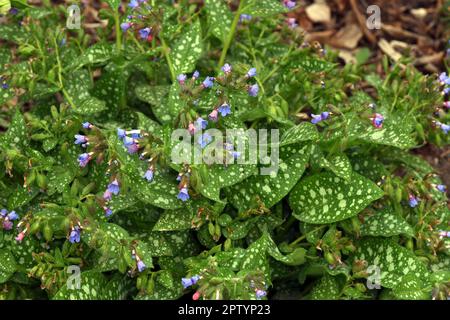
(444,81)
(187,282)
(260,294)
(145,32)
(7,218)
(75,234)
(444,127)
(113,188)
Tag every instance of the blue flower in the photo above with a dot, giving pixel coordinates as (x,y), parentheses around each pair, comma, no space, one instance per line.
(201,123)
(108,212)
(226,68)
(13,216)
(80,139)
(208,82)
(260,294)
(63,42)
(83,159)
(121,133)
(132,148)
(224,109)
(113,187)
(127,141)
(251,73)
(204,139)
(195,75)
(292,23)
(75,235)
(445,128)
(441,188)
(133,4)
(378,120)
(141,265)
(125,26)
(413,202)
(289,4)
(316,118)
(186,282)
(245,17)
(107,195)
(183,195)
(3,212)
(5,85)
(444,79)
(181,78)
(144,33)
(135,134)
(149,174)
(195,279)
(253,90)
(87,125)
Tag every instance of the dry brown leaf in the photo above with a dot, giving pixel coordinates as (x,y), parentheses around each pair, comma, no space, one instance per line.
(387,48)
(348,37)
(347,56)
(319,12)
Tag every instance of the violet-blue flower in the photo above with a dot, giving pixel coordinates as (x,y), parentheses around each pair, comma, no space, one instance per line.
(226,68)
(224,109)
(83,159)
(3,212)
(121,133)
(141,266)
(184,194)
(195,279)
(413,202)
(149,174)
(144,33)
(441,188)
(113,187)
(253,90)
(108,212)
(181,78)
(133,4)
(125,26)
(204,140)
(201,123)
(75,235)
(260,294)
(87,125)
(186,282)
(208,82)
(13,216)
(195,75)
(80,139)
(251,73)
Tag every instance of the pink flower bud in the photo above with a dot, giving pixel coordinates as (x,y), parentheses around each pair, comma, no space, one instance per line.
(196,295)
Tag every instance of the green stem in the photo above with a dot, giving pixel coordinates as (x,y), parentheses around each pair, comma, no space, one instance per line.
(231,34)
(304,236)
(118,31)
(168,59)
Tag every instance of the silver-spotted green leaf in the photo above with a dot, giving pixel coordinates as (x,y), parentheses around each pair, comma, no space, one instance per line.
(255,257)
(16,136)
(340,165)
(295,258)
(147,124)
(97,54)
(411,287)
(393,260)
(7,265)
(264,8)
(326,288)
(327,198)
(12,32)
(77,85)
(21,196)
(165,100)
(411,161)
(311,64)
(369,167)
(118,287)
(239,229)
(90,106)
(220,18)
(188,49)
(386,223)
(179,219)
(303,132)
(59,178)
(6,95)
(23,251)
(220,177)
(93,284)
(161,192)
(270,189)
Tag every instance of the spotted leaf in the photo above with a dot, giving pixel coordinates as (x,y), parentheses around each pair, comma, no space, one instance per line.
(270,189)
(7,265)
(385,223)
(302,132)
(188,49)
(326,288)
(393,260)
(326,198)
(220,18)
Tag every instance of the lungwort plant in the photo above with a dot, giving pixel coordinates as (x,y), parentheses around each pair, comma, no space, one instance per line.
(94,205)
